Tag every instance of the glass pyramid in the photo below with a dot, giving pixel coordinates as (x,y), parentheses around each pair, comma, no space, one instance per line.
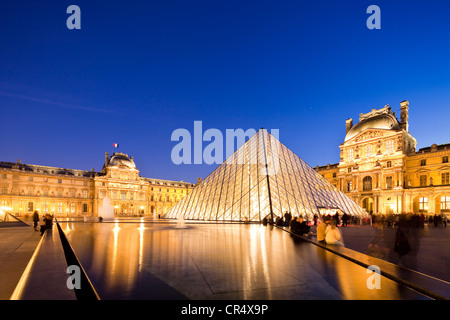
(263,177)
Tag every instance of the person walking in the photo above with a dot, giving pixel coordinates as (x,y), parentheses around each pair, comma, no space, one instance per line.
(35,220)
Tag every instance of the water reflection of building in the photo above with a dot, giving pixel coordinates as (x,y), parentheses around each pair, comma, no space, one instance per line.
(68,192)
(381,170)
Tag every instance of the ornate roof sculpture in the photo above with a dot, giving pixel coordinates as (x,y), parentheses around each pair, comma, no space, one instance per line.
(382,118)
(262,177)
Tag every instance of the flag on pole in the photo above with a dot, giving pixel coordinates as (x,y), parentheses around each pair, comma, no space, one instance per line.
(115,145)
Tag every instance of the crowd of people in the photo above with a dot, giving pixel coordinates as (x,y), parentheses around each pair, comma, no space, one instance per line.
(397,238)
(414,219)
(327,229)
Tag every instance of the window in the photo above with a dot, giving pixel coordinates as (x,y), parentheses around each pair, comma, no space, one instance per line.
(30,207)
(389,164)
(85,194)
(72,207)
(60,193)
(45,192)
(59,181)
(334,176)
(72,193)
(4,189)
(389,146)
(423,204)
(368,151)
(350,155)
(3,176)
(445,159)
(423,180)
(367,183)
(30,191)
(349,186)
(445,178)
(45,207)
(59,207)
(423,162)
(85,208)
(30,178)
(123,195)
(349,170)
(445,203)
(388,182)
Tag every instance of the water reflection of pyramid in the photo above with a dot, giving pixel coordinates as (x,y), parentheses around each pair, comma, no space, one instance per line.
(261,177)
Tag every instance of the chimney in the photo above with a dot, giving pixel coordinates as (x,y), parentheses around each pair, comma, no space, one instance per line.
(199,180)
(348,125)
(106,158)
(404,116)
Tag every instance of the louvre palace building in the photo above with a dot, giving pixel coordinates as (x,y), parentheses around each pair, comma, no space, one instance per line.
(381,170)
(62,192)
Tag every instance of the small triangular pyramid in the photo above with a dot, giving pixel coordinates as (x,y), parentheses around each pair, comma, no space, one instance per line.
(261,178)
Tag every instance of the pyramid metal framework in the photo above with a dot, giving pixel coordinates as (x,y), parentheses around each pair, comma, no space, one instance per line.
(263,177)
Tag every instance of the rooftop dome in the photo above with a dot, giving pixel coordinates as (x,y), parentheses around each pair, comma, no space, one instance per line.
(121,159)
(376,119)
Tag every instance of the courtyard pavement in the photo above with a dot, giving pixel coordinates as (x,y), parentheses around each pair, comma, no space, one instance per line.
(17,245)
(433,247)
(178,262)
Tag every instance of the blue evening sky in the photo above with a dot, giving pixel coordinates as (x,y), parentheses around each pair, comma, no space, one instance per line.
(138,70)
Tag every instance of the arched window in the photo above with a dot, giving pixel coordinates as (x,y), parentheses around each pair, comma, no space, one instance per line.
(367,183)
(423,204)
(445,203)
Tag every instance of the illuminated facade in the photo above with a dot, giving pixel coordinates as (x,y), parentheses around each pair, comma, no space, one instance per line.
(263,177)
(69,192)
(381,170)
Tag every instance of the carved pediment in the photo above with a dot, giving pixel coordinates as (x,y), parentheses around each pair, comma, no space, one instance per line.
(368,134)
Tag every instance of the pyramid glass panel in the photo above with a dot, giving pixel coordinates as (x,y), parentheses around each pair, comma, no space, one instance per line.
(263,177)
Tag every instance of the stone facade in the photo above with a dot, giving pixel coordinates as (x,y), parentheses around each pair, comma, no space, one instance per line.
(25,188)
(381,170)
